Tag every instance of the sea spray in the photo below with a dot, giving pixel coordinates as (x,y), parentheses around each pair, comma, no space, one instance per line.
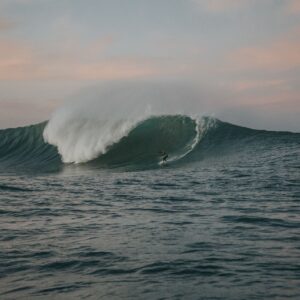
(80,138)
(86,126)
(89,123)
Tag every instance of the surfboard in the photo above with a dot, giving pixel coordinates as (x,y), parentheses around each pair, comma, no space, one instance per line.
(162,163)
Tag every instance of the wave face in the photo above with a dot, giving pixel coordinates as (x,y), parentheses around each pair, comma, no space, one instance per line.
(25,148)
(132,144)
(177,135)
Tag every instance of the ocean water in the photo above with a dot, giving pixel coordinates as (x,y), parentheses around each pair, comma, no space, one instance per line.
(90,213)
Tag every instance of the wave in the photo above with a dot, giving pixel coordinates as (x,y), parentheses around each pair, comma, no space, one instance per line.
(135,143)
(24,147)
(177,135)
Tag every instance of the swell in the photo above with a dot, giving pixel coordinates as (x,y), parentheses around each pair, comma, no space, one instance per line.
(25,148)
(226,139)
(138,146)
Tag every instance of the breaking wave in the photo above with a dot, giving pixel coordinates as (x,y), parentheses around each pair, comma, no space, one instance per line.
(134,143)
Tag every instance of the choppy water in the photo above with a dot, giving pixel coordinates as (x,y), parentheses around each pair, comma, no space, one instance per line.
(222,222)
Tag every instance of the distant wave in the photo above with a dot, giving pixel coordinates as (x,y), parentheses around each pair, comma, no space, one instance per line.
(134,143)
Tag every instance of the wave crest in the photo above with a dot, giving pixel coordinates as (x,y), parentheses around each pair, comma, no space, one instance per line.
(80,140)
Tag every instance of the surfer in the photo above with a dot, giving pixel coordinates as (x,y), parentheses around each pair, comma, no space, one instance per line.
(164,156)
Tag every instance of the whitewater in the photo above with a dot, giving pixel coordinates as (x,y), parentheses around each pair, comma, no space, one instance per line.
(87,212)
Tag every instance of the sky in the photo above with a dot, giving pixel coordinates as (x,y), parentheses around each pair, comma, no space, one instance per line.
(242,56)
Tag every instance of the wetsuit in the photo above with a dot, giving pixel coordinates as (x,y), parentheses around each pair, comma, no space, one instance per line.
(164,156)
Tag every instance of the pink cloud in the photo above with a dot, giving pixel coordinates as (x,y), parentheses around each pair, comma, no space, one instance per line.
(100,45)
(280,99)
(216,6)
(281,54)
(293,6)
(6,24)
(18,61)
(103,70)
(247,85)
(15,58)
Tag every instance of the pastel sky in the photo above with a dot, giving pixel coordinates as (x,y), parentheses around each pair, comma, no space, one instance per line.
(247,50)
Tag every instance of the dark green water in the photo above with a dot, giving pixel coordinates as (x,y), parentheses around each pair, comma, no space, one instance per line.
(220,221)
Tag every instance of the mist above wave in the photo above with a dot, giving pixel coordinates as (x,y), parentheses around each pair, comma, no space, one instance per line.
(84,127)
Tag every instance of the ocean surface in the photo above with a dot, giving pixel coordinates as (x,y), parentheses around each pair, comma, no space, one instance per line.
(88,212)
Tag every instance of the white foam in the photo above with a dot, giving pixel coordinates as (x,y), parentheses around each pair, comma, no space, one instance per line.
(81,136)
(201,127)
